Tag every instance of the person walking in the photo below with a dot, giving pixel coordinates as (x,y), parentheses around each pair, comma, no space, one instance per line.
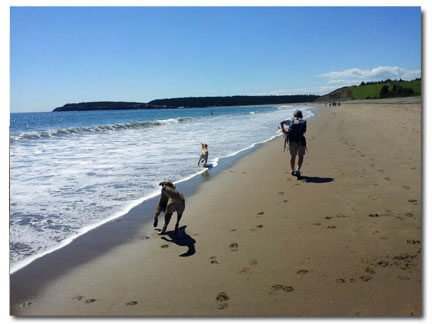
(294,130)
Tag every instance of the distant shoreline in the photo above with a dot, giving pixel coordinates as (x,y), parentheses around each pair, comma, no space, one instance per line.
(191,102)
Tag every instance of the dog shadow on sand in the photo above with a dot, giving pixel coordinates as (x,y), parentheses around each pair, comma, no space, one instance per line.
(315,179)
(182,239)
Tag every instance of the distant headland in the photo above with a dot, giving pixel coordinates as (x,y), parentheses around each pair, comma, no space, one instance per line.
(366,90)
(190,102)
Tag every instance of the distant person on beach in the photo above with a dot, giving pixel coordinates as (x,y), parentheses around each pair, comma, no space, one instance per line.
(294,130)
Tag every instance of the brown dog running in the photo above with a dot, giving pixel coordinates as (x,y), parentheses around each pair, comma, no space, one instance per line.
(170,201)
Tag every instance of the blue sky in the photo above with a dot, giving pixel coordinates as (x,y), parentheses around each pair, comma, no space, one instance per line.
(73,54)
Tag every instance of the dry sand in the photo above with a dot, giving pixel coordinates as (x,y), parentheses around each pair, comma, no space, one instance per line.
(344,241)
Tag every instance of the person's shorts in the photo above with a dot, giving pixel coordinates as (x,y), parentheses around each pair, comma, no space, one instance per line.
(297,148)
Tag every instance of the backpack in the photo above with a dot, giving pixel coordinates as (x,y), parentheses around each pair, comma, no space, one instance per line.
(296,130)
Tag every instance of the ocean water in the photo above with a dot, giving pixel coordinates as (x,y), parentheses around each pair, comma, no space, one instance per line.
(73,171)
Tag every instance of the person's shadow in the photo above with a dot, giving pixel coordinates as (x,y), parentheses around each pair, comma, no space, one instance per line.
(182,239)
(315,179)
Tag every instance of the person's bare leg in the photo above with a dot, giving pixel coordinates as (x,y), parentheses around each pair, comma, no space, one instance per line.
(293,158)
(300,162)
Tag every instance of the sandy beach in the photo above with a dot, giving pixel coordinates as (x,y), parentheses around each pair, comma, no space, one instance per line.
(255,241)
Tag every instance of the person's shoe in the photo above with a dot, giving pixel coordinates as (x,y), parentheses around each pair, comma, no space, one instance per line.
(293,173)
(298,174)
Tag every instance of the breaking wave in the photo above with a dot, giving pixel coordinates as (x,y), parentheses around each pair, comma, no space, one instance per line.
(93,129)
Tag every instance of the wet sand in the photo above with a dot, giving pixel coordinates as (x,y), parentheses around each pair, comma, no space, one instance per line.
(255,241)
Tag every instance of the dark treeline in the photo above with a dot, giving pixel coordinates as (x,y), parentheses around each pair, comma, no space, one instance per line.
(101,105)
(386,81)
(193,102)
(190,102)
(396,91)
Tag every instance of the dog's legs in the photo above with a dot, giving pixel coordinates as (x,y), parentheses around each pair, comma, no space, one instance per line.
(179,216)
(167,220)
(157,213)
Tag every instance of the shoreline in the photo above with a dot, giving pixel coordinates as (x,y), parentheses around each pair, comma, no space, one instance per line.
(247,243)
(75,245)
(225,161)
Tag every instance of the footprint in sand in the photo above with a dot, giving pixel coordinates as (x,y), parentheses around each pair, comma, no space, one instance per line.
(234,247)
(403,278)
(328,217)
(222,306)
(387,178)
(302,271)
(260,226)
(164,246)
(331,227)
(88,301)
(409,214)
(370,270)
(406,187)
(281,192)
(285,200)
(77,297)
(413,241)
(233,230)
(253,262)
(26,304)
(373,215)
(132,303)
(340,280)
(244,270)
(222,296)
(260,214)
(365,278)
(213,260)
(282,287)
(316,224)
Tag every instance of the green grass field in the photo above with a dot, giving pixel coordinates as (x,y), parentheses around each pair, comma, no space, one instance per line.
(372,91)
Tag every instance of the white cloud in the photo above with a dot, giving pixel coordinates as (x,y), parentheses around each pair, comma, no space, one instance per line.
(339,79)
(378,73)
